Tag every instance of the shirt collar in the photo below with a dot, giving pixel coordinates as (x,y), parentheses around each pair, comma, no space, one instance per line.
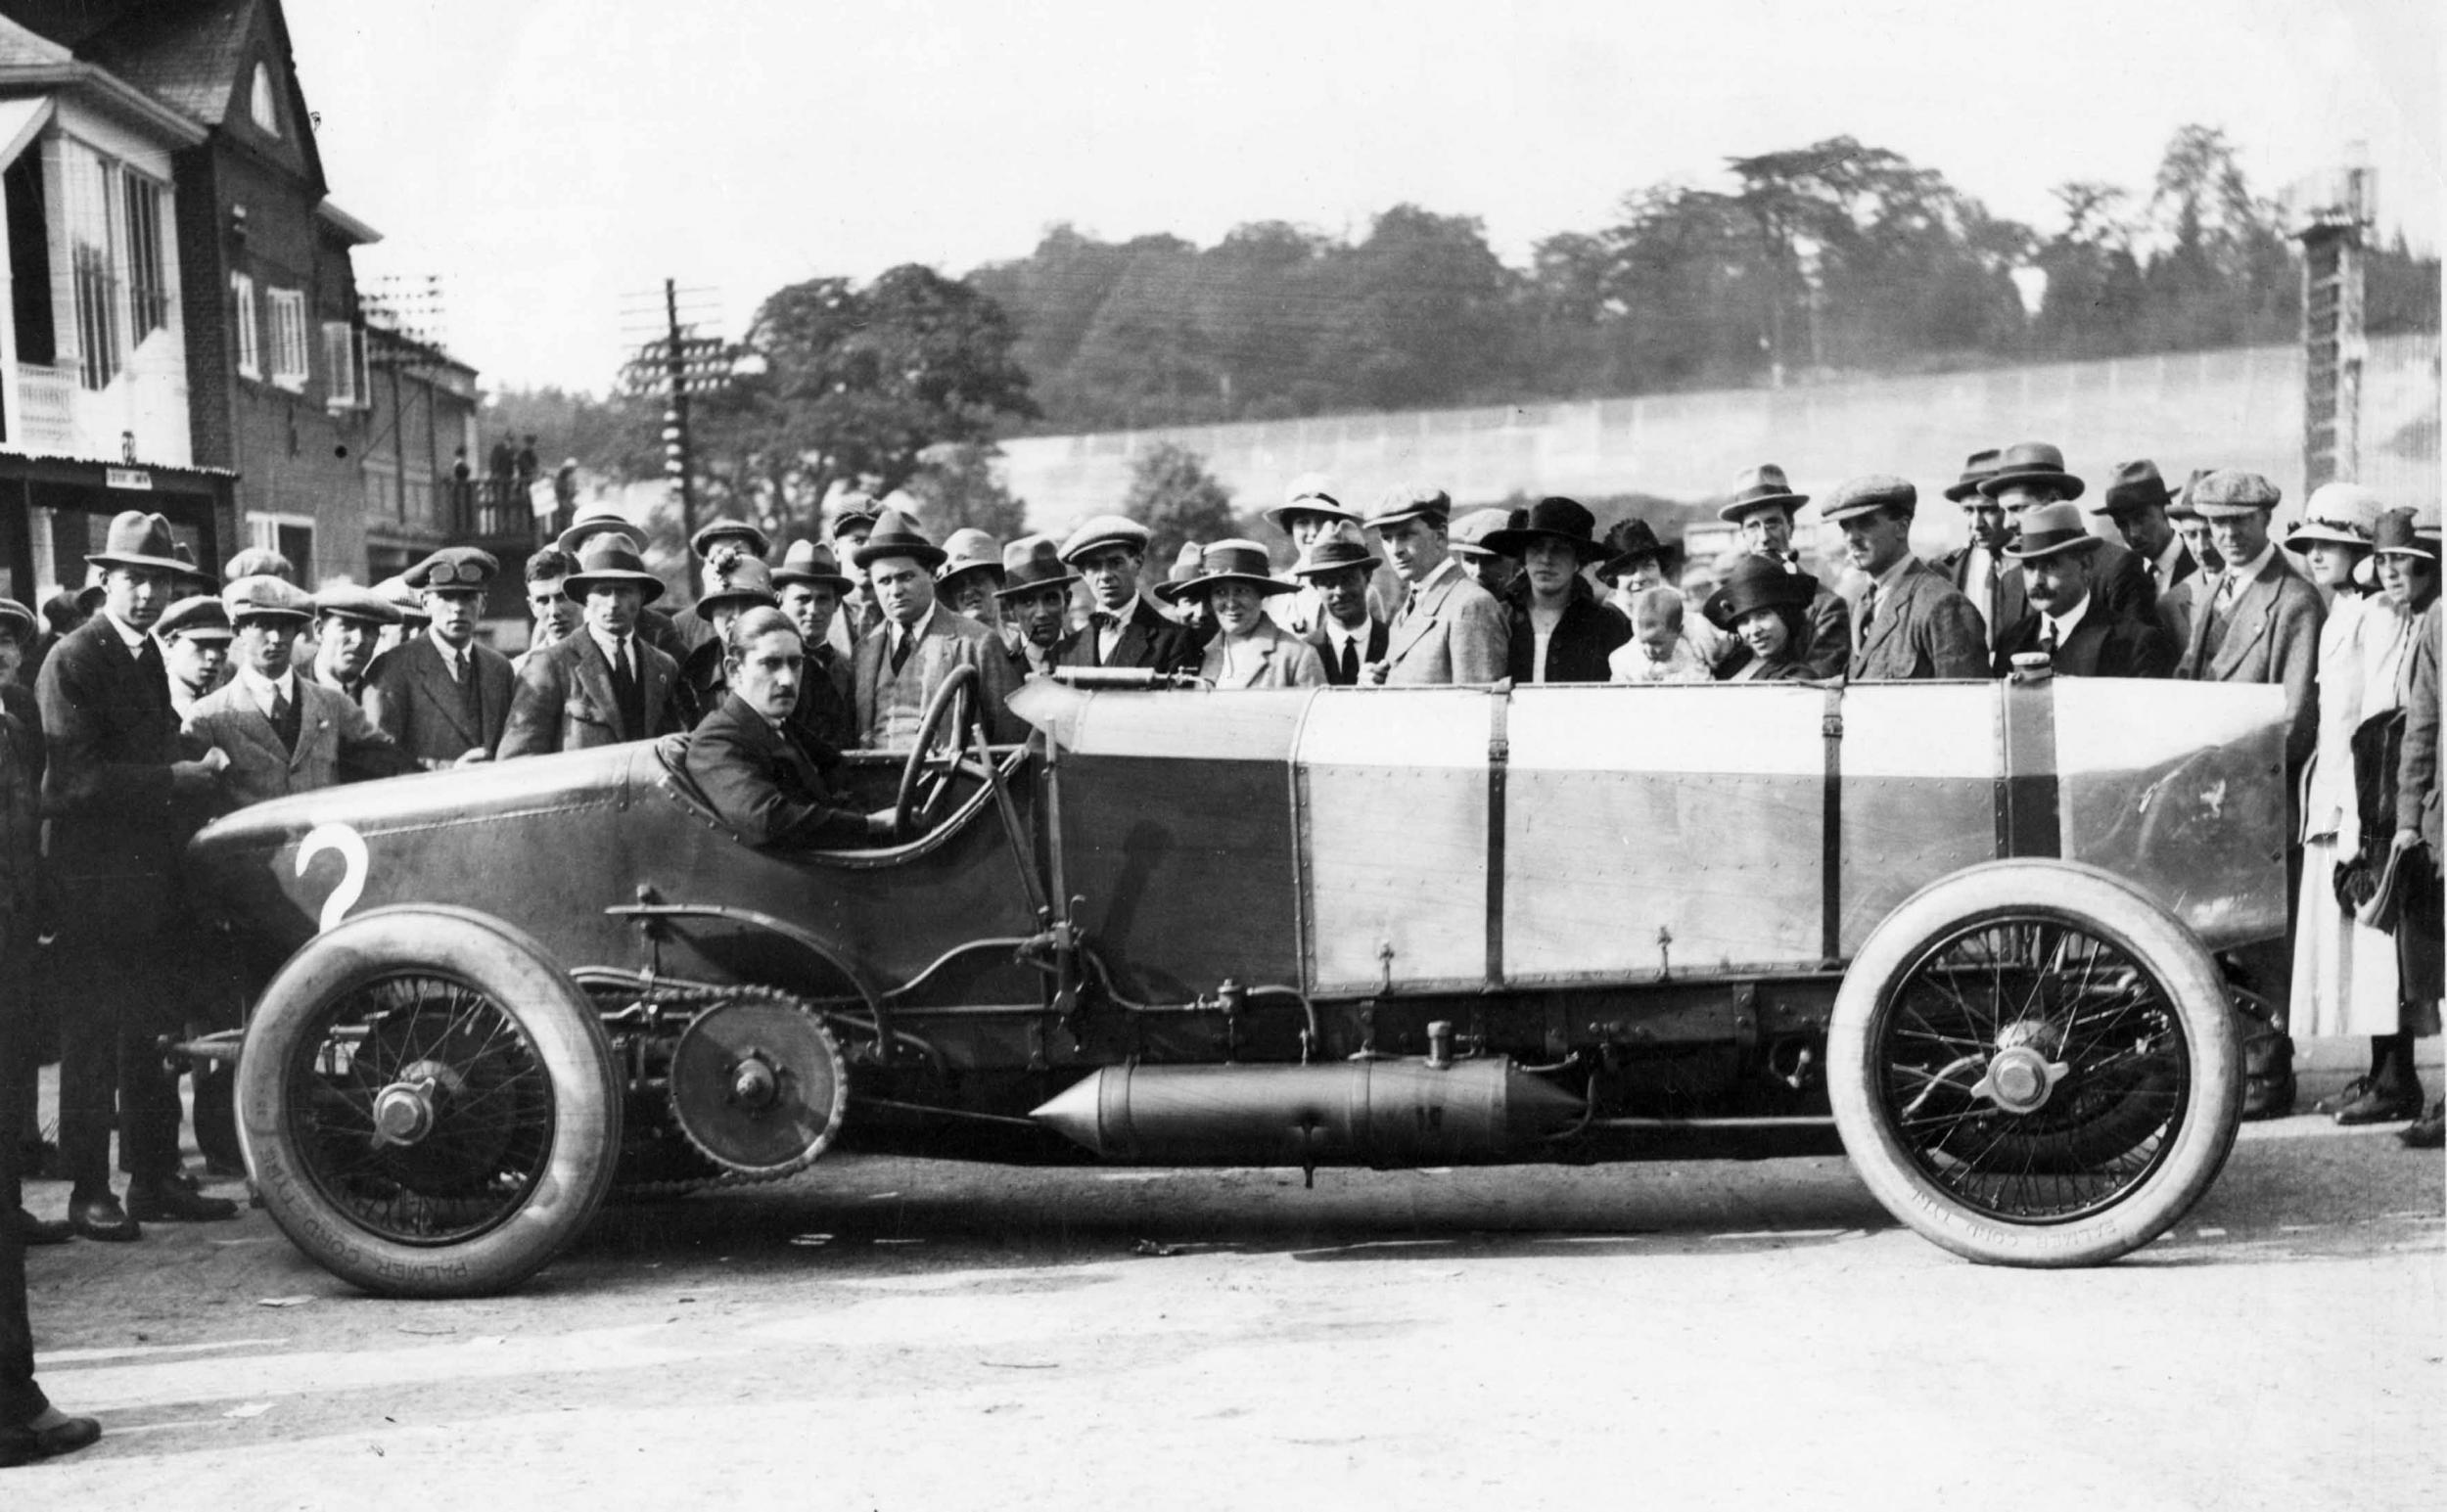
(133,639)
(1125,613)
(2066,622)
(605,641)
(2250,570)
(923,621)
(1887,579)
(2169,560)
(1448,567)
(264,689)
(447,650)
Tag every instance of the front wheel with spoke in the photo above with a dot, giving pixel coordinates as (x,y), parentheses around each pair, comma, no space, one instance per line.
(2032,1064)
(429,1102)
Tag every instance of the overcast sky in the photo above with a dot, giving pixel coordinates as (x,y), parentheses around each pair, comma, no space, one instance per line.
(552,160)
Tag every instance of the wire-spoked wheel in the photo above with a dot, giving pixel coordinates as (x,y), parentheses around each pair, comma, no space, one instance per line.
(429,1104)
(2032,1063)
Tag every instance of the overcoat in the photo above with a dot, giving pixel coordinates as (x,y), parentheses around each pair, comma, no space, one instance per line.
(109,737)
(1584,637)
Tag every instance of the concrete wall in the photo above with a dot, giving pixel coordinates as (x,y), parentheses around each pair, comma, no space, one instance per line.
(2240,408)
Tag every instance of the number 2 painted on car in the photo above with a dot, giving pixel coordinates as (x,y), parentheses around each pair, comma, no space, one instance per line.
(354,863)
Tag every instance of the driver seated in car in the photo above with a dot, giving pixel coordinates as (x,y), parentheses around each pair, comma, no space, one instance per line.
(753,766)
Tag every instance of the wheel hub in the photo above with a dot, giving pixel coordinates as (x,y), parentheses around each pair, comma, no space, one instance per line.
(2019,1079)
(754,1086)
(757,1085)
(406,1111)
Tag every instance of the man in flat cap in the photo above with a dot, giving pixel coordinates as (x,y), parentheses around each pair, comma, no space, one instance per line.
(717,548)
(1908,622)
(194,637)
(602,686)
(1449,630)
(122,798)
(2179,604)
(1035,596)
(1980,569)
(920,644)
(812,588)
(1492,570)
(281,732)
(2077,635)
(348,626)
(1348,638)
(1762,508)
(443,696)
(1123,628)
(2030,473)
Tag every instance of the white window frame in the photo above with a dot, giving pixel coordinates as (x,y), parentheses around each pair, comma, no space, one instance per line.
(249,333)
(344,361)
(264,531)
(290,360)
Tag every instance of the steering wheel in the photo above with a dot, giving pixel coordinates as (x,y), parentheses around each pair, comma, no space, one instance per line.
(947,714)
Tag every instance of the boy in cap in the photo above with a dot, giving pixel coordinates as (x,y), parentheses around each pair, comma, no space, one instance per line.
(1449,630)
(1908,622)
(443,696)
(602,686)
(920,644)
(1762,509)
(194,637)
(1123,628)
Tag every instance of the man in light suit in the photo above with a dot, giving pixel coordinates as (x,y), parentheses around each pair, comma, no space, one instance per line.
(1123,628)
(1908,622)
(603,685)
(1449,630)
(919,643)
(441,696)
(283,733)
(2261,624)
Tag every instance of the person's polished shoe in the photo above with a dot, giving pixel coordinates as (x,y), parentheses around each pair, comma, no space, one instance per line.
(2429,1130)
(2381,1104)
(41,1231)
(99,1217)
(171,1202)
(25,1443)
(2345,1097)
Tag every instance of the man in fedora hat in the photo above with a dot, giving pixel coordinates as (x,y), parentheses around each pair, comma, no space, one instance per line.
(717,547)
(1762,508)
(195,635)
(1122,630)
(971,573)
(121,796)
(812,588)
(745,582)
(601,518)
(1980,569)
(1557,634)
(920,642)
(2057,555)
(348,626)
(2261,624)
(1347,636)
(2030,473)
(1449,630)
(1036,597)
(443,696)
(1310,511)
(2137,501)
(603,685)
(1908,622)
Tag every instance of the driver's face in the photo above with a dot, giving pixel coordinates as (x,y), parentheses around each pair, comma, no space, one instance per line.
(768,671)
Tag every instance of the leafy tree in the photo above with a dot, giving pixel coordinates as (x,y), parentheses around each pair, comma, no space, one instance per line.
(1174,496)
(958,489)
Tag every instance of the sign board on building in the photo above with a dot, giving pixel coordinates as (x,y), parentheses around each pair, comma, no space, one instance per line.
(127,478)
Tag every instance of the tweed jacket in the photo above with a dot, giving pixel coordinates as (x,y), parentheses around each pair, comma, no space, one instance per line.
(765,784)
(1452,631)
(109,737)
(1270,658)
(336,742)
(2272,635)
(411,697)
(950,640)
(1577,651)
(1371,648)
(565,700)
(2100,646)
(1148,640)
(1924,628)
(2417,769)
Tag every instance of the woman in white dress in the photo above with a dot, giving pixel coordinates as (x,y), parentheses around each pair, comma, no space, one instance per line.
(1249,650)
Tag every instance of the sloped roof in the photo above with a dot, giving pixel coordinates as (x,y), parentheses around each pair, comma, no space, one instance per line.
(190,56)
(20,48)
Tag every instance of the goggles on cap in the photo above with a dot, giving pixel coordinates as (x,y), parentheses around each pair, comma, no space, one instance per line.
(444,574)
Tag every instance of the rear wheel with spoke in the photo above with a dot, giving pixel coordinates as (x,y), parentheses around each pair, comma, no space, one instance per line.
(2032,1064)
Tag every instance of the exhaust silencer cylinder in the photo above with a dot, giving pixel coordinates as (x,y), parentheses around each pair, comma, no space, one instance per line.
(1364,1113)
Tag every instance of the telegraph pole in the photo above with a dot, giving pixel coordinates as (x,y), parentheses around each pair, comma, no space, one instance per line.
(676,452)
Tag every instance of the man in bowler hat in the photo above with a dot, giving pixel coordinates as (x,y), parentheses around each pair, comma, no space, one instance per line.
(2069,625)
(443,696)
(919,643)
(603,685)
(1447,629)
(122,797)
(2030,473)
(1908,622)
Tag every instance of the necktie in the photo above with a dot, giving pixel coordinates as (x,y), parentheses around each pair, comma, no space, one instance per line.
(284,720)
(901,639)
(2047,636)
(1347,665)
(1869,611)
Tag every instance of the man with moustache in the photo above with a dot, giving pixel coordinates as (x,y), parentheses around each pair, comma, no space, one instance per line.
(1036,595)
(2030,473)
(749,760)
(443,696)
(2057,555)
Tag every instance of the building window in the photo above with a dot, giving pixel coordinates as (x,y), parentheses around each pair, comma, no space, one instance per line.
(292,535)
(259,104)
(289,338)
(249,352)
(89,179)
(148,279)
(344,359)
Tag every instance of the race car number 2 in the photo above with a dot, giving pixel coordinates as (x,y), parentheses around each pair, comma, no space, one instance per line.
(354,863)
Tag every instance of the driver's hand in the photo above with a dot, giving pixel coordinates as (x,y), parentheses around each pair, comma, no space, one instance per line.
(881,823)
(472,755)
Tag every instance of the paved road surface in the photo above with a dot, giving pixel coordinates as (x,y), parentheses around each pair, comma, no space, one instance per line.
(898,1334)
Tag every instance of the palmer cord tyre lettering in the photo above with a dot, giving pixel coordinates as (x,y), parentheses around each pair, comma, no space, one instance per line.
(428,1103)
(2032,1063)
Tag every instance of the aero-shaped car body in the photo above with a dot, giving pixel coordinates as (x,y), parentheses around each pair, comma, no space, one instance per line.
(1967,927)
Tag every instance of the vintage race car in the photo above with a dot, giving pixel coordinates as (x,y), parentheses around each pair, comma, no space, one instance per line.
(1968,928)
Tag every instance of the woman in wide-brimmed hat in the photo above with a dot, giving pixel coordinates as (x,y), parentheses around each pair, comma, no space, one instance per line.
(1559,632)
(1767,607)
(1249,650)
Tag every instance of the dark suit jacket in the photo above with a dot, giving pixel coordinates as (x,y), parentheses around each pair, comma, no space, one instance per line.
(409,694)
(2100,646)
(2272,635)
(109,737)
(827,714)
(950,640)
(1149,640)
(764,782)
(1925,629)
(1577,651)
(1371,648)
(336,742)
(565,700)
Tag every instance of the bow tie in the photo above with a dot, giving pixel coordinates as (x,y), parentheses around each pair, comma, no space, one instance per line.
(1104,619)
